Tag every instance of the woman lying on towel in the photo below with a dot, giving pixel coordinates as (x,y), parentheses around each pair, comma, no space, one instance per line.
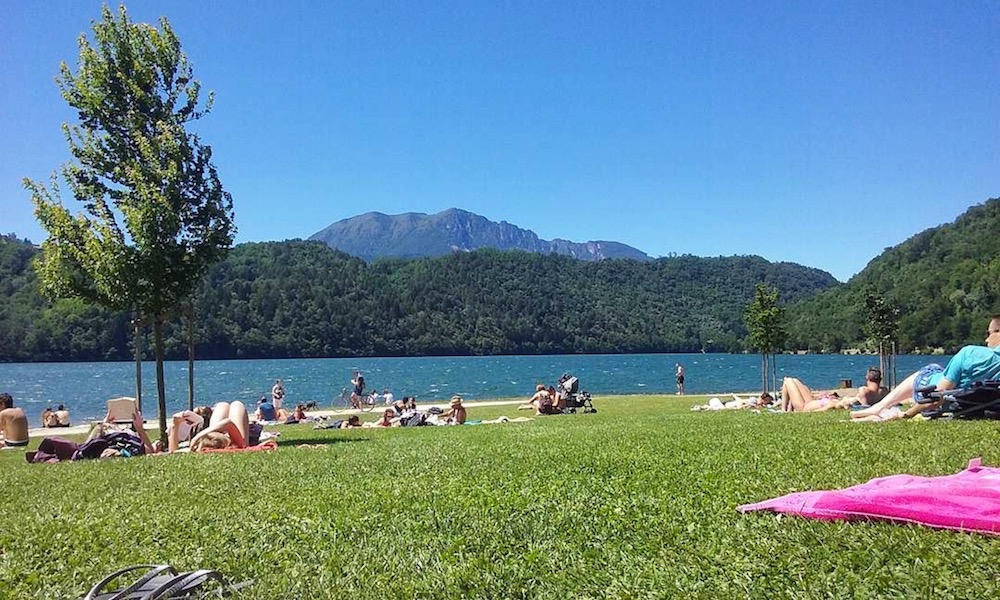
(227,428)
(797,397)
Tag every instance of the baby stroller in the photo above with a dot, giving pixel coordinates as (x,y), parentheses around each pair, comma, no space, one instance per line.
(981,400)
(571,397)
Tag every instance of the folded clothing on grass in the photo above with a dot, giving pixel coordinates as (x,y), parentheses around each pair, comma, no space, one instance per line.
(966,501)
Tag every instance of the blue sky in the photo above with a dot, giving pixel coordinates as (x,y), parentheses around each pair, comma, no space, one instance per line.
(811,132)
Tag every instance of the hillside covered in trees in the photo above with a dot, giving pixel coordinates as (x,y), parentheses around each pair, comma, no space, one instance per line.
(945,282)
(303,299)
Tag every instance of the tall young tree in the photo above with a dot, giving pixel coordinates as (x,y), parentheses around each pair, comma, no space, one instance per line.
(881,325)
(155,215)
(763,318)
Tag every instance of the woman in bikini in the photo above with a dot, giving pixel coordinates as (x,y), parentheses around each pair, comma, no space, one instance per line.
(797,397)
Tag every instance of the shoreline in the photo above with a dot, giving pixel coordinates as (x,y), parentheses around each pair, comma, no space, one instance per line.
(153,424)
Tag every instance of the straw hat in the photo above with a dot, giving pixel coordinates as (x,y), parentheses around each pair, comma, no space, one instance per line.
(456,400)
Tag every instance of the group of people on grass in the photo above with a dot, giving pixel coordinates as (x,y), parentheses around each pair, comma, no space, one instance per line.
(874,402)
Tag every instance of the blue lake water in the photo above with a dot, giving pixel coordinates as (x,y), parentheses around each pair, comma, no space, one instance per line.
(84,387)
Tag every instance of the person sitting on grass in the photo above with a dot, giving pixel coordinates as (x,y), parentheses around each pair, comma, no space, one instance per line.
(456,413)
(266,410)
(969,365)
(13,423)
(535,402)
(228,427)
(872,391)
(797,397)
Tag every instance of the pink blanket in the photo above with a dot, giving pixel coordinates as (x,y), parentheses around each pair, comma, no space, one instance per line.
(966,501)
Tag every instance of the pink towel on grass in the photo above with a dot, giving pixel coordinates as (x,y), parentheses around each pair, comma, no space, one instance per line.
(966,501)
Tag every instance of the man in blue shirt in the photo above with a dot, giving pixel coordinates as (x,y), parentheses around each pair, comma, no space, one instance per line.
(265,410)
(971,364)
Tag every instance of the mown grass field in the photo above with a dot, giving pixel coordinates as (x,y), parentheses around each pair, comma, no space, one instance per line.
(636,501)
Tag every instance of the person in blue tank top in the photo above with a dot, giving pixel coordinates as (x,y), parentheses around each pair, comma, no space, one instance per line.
(970,364)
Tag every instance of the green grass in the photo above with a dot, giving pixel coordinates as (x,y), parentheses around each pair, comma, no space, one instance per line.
(636,501)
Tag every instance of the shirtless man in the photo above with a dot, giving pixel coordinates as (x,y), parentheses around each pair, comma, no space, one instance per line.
(680,379)
(13,423)
(872,391)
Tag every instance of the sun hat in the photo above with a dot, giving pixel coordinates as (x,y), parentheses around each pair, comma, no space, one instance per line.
(456,400)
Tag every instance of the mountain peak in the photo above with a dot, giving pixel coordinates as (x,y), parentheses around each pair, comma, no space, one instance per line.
(412,235)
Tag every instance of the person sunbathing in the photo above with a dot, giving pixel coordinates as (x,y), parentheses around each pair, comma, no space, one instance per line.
(970,364)
(388,419)
(228,427)
(185,424)
(13,423)
(456,413)
(797,397)
(872,391)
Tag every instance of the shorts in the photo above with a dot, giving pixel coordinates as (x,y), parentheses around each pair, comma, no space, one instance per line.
(927,377)
(680,380)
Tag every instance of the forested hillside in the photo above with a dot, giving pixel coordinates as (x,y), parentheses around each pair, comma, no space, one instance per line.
(945,280)
(302,299)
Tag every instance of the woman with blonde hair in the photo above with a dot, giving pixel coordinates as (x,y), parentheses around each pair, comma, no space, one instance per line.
(228,427)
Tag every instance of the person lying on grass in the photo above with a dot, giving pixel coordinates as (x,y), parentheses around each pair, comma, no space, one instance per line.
(970,364)
(388,419)
(228,427)
(185,424)
(797,397)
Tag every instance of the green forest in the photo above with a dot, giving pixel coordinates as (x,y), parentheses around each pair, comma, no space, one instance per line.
(303,299)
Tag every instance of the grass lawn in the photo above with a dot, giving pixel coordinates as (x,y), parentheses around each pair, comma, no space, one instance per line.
(636,501)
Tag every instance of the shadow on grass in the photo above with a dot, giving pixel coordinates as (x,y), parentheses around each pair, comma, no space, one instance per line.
(295,441)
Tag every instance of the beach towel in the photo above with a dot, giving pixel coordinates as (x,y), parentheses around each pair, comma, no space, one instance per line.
(966,501)
(268,445)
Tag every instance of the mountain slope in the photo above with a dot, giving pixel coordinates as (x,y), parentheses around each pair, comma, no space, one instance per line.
(416,235)
(946,281)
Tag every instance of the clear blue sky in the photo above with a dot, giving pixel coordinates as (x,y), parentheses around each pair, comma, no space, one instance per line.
(812,132)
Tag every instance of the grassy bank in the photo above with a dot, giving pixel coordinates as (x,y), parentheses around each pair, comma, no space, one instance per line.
(637,500)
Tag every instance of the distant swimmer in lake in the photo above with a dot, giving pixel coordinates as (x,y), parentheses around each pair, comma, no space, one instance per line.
(13,423)
(797,397)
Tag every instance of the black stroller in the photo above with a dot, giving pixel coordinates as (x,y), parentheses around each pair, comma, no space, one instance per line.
(981,400)
(570,396)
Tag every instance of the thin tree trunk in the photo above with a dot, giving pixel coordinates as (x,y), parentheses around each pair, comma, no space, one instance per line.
(161,395)
(190,333)
(137,322)
(774,375)
(763,372)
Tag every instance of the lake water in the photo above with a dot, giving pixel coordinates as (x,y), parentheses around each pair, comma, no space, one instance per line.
(84,387)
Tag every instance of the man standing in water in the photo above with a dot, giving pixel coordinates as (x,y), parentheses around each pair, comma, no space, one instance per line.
(680,379)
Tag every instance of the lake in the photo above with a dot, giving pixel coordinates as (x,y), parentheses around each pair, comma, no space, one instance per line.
(84,387)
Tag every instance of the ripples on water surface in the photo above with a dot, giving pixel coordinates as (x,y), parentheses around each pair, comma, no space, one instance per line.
(84,387)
